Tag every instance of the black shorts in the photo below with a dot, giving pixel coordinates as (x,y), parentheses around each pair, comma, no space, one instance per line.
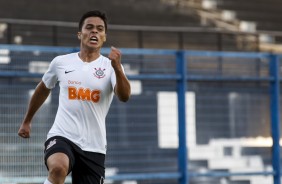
(85,167)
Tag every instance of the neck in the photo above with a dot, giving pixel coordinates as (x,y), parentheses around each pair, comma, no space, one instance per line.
(87,56)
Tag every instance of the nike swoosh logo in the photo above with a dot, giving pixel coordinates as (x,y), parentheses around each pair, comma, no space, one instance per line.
(69,71)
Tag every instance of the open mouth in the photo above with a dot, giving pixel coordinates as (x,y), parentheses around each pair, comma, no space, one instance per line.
(94,39)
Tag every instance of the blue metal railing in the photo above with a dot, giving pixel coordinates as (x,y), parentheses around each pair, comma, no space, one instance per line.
(275,119)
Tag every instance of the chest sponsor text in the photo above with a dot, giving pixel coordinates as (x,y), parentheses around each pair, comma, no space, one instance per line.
(84,94)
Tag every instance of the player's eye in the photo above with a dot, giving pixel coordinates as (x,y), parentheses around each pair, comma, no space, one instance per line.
(100,28)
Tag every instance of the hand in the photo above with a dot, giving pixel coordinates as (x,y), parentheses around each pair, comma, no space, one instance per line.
(115,57)
(24,130)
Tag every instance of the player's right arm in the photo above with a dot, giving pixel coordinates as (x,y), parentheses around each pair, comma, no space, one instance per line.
(39,96)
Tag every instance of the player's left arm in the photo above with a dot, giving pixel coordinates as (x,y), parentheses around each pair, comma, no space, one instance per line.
(122,87)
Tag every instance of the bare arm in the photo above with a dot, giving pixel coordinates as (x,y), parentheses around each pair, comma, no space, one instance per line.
(40,95)
(122,88)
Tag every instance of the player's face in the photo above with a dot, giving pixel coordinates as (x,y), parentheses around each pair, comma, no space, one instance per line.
(93,33)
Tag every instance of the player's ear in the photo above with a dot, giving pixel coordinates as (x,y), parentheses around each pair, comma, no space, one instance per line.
(105,38)
(79,35)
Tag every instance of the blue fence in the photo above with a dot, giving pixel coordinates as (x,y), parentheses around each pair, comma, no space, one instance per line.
(232,128)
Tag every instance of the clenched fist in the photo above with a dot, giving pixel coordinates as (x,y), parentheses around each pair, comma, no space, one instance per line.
(24,130)
(115,57)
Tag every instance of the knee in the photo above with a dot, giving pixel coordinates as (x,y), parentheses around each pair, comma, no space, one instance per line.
(58,166)
(58,171)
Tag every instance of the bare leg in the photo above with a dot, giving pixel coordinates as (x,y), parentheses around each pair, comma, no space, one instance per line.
(58,165)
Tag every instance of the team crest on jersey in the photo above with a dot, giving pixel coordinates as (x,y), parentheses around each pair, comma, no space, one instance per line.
(99,73)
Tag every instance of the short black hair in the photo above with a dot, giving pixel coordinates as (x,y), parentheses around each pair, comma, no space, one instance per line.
(93,13)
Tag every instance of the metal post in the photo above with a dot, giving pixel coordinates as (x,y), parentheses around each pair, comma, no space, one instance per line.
(54,36)
(275,117)
(180,40)
(181,90)
(9,34)
(219,41)
(140,39)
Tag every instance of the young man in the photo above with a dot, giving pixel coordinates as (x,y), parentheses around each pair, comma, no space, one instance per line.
(77,140)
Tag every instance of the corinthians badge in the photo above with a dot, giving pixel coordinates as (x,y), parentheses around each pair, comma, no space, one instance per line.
(99,73)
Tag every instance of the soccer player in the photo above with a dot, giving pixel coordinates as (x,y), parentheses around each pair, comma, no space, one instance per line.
(88,80)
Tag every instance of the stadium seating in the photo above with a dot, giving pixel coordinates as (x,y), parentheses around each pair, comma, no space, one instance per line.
(265,13)
(30,27)
(235,16)
(259,17)
(122,12)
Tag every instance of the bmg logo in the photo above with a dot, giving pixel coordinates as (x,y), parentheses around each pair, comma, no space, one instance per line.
(84,94)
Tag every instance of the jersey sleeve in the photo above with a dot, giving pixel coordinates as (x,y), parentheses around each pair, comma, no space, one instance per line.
(50,77)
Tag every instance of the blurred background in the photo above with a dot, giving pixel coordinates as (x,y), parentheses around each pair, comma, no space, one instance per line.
(205,88)
(184,24)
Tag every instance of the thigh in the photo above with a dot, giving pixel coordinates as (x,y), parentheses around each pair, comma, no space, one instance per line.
(58,161)
(58,151)
(89,169)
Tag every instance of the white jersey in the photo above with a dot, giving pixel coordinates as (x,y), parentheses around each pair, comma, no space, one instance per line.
(86,92)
